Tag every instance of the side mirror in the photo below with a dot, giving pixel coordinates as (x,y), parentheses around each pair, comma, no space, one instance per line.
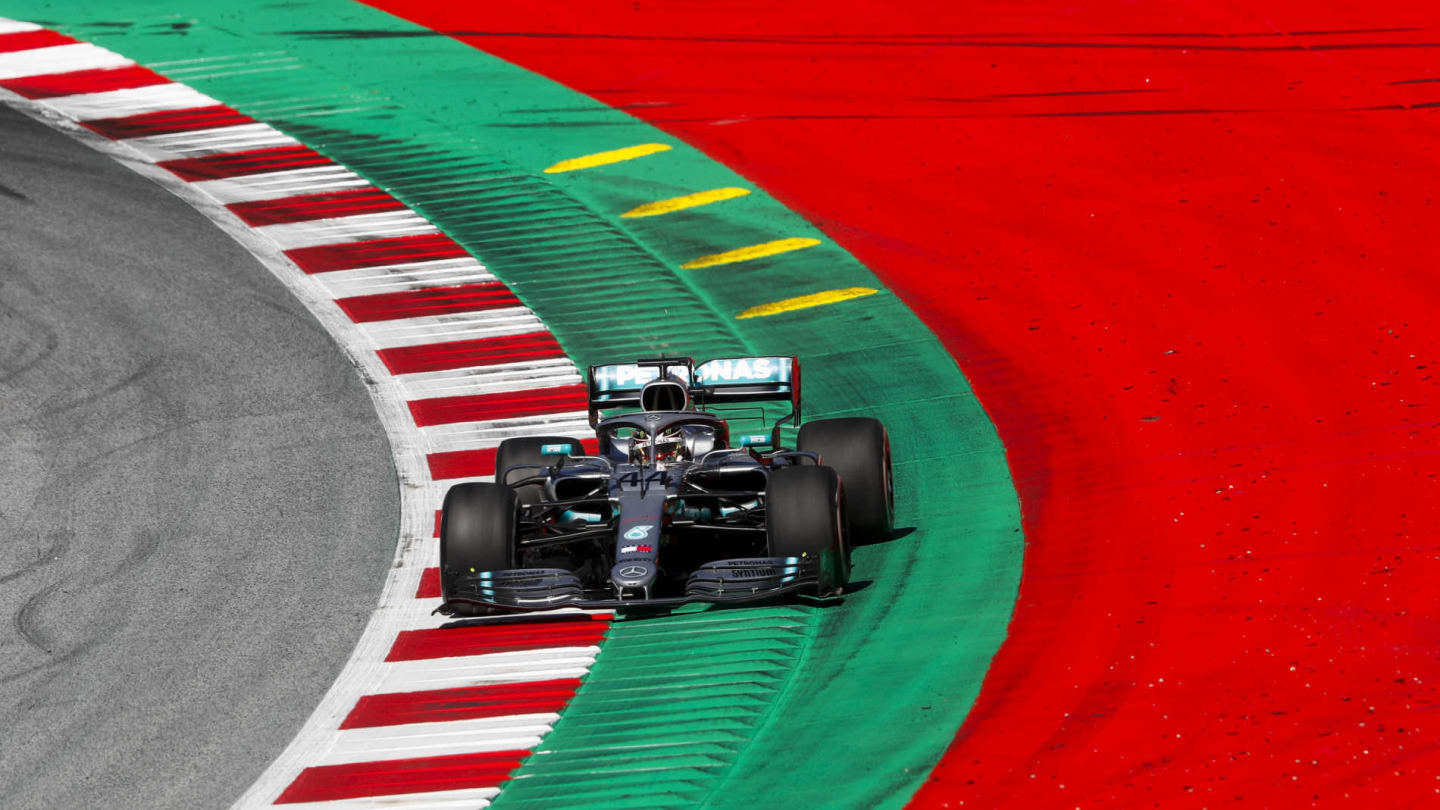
(556,449)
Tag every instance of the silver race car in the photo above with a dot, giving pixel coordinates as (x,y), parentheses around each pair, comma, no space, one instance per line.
(671,507)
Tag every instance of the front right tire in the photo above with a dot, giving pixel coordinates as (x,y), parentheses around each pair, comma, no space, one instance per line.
(804,518)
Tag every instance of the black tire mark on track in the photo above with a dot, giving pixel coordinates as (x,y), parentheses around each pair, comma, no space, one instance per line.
(29,622)
(25,347)
(145,370)
(57,549)
(65,657)
(26,624)
(6,191)
(301,317)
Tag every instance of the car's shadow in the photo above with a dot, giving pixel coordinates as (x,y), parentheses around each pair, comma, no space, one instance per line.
(515,618)
(895,534)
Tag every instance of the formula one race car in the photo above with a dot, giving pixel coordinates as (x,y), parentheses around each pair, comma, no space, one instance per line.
(671,508)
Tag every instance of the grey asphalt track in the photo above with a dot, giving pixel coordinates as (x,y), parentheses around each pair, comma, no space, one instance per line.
(197,505)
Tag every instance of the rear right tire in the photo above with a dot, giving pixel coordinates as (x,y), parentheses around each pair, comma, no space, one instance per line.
(858,448)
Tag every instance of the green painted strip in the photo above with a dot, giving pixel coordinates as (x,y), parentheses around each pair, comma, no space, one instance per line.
(788,705)
(667,708)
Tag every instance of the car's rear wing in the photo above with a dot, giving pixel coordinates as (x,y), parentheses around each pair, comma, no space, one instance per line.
(725,380)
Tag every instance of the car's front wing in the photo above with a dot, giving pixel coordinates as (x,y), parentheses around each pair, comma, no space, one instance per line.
(748,579)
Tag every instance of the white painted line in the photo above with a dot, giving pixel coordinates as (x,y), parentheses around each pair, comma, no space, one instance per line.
(465,799)
(443,328)
(239,138)
(9,26)
(276,185)
(58,59)
(130,101)
(403,277)
(473,435)
(490,379)
(481,670)
(338,230)
(509,733)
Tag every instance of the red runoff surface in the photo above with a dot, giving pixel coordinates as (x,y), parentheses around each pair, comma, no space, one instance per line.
(1184,253)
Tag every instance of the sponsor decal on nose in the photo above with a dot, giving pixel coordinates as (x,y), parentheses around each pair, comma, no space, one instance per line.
(633,574)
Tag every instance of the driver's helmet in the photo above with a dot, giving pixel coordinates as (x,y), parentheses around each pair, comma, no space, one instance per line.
(669,446)
(683,443)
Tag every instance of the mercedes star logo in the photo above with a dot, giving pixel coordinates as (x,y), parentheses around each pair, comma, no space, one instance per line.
(633,571)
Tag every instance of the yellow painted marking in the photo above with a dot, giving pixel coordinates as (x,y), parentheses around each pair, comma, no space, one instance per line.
(805,301)
(745,254)
(602,158)
(651,209)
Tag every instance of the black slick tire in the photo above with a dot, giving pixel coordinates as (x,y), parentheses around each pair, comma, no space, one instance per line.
(513,452)
(858,448)
(803,515)
(477,531)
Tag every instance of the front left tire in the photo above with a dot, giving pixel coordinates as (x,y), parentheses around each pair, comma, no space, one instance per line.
(477,531)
